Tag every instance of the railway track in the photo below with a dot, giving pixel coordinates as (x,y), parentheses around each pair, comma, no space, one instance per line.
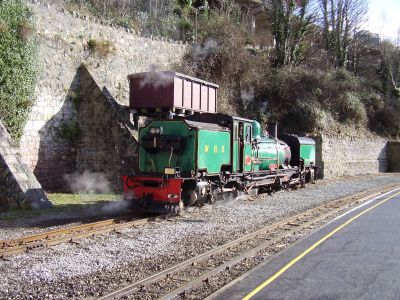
(64,235)
(70,234)
(200,276)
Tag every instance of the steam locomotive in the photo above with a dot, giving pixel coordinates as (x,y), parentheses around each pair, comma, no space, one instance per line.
(190,155)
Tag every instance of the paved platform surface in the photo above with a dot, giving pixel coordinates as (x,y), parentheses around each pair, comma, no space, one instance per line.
(360,260)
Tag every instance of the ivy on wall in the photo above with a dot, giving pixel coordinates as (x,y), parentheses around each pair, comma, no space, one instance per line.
(18,65)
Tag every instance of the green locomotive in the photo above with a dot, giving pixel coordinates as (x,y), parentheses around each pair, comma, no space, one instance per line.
(194,159)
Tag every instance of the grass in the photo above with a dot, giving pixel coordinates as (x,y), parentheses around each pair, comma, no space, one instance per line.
(62,202)
(102,48)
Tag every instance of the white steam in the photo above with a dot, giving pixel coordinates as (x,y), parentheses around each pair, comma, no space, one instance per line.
(247,96)
(230,199)
(157,80)
(209,46)
(88,183)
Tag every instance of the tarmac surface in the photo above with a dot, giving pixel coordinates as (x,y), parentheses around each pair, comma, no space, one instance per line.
(356,256)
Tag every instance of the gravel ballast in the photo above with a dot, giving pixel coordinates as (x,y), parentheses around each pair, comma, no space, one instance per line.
(100,264)
(14,227)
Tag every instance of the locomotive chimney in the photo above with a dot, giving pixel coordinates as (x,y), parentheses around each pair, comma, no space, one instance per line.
(273,130)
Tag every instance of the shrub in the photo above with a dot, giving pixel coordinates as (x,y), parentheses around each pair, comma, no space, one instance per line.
(18,66)
(102,48)
(349,108)
(288,96)
(303,99)
(69,131)
(373,103)
(306,116)
(339,80)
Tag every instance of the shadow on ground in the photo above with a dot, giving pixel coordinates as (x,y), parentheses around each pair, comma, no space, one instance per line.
(64,214)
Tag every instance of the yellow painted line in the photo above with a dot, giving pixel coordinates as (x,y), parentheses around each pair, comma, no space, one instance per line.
(294,261)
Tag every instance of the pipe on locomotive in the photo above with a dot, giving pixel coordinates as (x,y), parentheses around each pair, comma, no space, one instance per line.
(273,130)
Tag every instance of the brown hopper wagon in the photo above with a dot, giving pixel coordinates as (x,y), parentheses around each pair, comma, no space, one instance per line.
(160,92)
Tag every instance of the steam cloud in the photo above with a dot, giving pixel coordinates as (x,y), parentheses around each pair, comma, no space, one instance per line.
(248,96)
(157,79)
(209,46)
(229,199)
(88,183)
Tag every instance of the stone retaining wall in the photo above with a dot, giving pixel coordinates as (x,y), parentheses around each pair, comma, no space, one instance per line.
(63,39)
(349,156)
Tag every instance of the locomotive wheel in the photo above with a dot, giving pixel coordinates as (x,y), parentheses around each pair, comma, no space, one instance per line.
(310,176)
(201,201)
(193,197)
(211,198)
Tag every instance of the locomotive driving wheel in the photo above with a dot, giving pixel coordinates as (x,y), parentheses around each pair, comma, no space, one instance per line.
(211,198)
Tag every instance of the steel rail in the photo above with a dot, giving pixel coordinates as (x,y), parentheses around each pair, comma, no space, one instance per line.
(59,236)
(333,207)
(56,232)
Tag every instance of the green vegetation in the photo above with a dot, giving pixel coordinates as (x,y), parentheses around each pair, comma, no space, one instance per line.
(64,200)
(75,98)
(311,80)
(18,65)
(69,131)
(307,100)
(62,203)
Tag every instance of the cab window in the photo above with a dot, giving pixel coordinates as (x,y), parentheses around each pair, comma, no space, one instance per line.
(248,134)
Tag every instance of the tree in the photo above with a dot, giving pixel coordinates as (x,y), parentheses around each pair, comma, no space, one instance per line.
(292,22)
(341,20)
(391,68)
